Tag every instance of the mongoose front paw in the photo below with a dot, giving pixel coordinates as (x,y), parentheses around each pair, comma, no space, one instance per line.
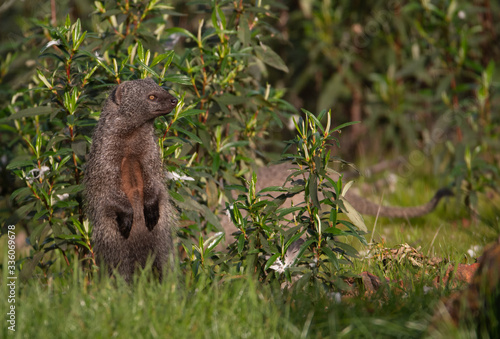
(151,214)
(124,221)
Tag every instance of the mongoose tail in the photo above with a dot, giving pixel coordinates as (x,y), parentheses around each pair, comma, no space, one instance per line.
(365,206)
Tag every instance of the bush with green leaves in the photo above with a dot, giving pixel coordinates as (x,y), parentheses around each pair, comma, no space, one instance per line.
(419,74)
(208,143)
(304,241)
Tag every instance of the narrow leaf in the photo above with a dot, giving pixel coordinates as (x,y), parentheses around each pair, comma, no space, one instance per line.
(31,112)
(354,215)
(271,261)
(268,56)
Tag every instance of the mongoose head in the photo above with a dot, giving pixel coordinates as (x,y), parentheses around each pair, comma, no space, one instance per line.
(142,100)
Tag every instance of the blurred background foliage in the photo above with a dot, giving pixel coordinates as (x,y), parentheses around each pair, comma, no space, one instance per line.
(417,74)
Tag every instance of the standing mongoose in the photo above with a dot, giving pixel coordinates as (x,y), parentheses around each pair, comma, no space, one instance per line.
(126,198)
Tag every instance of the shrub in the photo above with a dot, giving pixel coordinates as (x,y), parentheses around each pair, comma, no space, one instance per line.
(212,138)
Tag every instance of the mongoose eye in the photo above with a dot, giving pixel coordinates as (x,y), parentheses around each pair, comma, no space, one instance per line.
(152,97)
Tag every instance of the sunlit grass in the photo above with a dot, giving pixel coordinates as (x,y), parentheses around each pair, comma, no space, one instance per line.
(69,305)
(448,232)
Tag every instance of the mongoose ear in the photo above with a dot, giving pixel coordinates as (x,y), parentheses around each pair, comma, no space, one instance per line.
(117,94)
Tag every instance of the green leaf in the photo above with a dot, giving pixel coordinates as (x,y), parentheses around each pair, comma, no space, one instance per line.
(169,56)
(218,18)
(333,216)
(241,243)
(176,196)
(29,266)
(316,121)
(72,189)
(313,190)
(273,189)
(20,193)
(31,112)
(348,249)
(67,23)
(192,136)
(271,261)
(285,211)
(235,144)
(333,258)
(214,240)
(264,243)
(344,125)
(490,69)
(354,215)
(191,112)
(244,31)
(178,79)
(334,231)
(43,78)
(99,61)
(211,217)
(23,211)
(268,56)
(182,31)
(20,162)
(149,69)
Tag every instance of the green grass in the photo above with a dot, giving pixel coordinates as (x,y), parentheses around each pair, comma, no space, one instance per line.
(69,306)
(447,232)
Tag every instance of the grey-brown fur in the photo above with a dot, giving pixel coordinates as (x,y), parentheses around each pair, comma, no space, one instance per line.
(127,201)
(365,206)
(275,175)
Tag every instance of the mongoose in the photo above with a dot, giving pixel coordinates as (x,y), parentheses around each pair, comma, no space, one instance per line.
(126,198)
(275,175)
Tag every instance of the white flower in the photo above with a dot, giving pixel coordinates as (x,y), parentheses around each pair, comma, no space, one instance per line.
(337,297)
(98,57)
(462,15)
(290,257)
(172,40)
(474,251)
(278,266)
(177,176)
(62,197)
(52,43)
(36,173)
(314,263)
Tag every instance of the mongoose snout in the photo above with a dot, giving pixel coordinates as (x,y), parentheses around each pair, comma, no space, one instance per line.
(164,102)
